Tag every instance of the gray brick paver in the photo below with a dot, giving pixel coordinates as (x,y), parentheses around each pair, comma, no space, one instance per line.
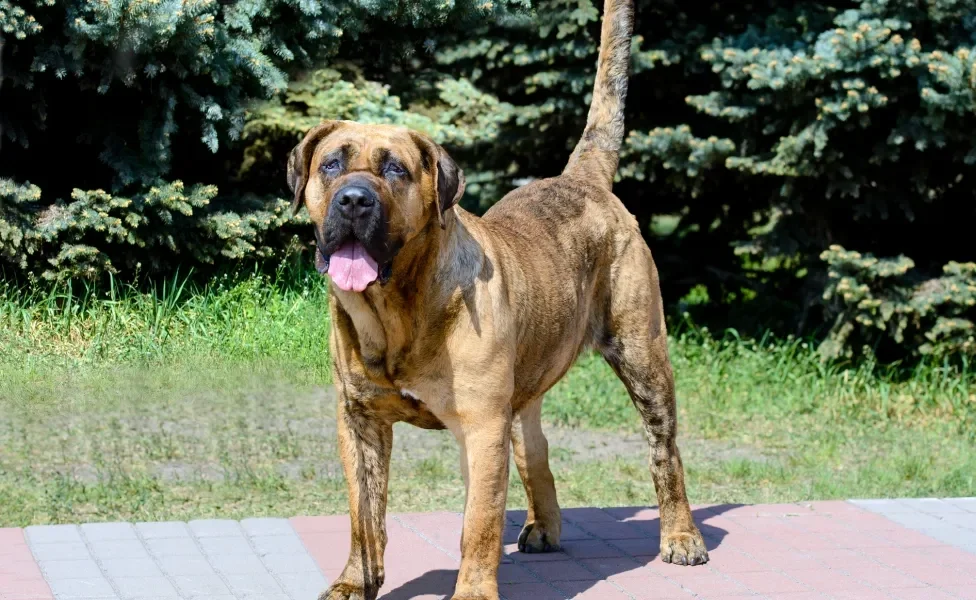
(105,549)
(225,546)
(53,534)
(285,558)
(241,584)
(967,538)
(237,564)
(161,547)
(282,564)
(108,531)
(944,520)
(916,520)
(200,585)
(305,585)
(67,564)
(137,588)
(214,528)
(179,560)
(277,544)
(266,526)
(235,555)
(963,519)
(165,529)
(883,506)
(101,548)
(932,506)
(69,569)
(74,589)
(60,551)
(158,542)
(967,504)
(947,534)
(184,565)
(130,567)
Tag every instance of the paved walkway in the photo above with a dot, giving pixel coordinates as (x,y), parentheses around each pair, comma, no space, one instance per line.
(902,549)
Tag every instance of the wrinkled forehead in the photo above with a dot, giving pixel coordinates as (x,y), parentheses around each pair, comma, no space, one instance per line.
(369,144)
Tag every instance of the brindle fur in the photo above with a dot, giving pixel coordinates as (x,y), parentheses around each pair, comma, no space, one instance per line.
(482,316)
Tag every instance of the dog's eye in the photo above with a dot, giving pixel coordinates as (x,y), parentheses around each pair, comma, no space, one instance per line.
(332,165)
(395,169)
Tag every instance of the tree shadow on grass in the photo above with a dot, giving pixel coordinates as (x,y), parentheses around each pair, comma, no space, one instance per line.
(603,542)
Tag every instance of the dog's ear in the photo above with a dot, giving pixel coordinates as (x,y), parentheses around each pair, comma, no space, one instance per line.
(450,184)
(446,173)
(300,158)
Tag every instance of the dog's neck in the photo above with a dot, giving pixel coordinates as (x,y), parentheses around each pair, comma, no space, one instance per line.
(414,309)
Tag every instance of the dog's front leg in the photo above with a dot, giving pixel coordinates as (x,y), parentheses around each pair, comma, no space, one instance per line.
(365,442)
(484,451)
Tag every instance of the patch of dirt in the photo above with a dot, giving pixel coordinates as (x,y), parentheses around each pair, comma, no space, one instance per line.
(272,432)
(586,445)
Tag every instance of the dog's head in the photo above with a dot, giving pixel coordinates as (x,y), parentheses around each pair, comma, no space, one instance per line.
(369,190)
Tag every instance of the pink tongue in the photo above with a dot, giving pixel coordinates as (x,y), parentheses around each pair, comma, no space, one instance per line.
(352,268)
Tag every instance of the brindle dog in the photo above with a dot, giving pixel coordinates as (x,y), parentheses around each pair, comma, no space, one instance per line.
(445,320)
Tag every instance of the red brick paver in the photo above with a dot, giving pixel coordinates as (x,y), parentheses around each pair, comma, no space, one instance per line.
(908,549)
(789,551)
(20,577)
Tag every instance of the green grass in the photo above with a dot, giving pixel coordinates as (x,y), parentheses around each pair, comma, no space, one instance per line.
(256,318)
(215,401)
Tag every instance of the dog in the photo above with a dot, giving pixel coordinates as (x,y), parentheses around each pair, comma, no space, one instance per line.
(446,320)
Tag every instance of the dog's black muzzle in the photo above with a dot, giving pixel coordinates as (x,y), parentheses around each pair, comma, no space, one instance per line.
(356,213)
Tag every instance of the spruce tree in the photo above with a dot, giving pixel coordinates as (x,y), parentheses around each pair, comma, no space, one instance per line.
(786,141)
(122,120)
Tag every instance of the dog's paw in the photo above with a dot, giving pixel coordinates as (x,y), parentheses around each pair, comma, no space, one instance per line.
(342,590)
(684,548)
(537,537)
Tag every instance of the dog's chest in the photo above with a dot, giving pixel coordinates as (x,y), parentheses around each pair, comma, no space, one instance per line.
(392,349)
(379,333)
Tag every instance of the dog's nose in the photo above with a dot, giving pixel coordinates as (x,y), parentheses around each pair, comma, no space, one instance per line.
(354,197)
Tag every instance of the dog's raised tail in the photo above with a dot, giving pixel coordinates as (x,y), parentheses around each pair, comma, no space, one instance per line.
(597,153)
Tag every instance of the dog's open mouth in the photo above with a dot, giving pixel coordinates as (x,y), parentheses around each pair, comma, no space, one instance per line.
(351,268)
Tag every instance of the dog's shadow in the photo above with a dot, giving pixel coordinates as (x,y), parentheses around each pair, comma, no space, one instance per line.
(642,549)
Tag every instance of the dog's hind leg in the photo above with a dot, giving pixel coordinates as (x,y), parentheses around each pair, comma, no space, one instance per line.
(543,521)
(637,349)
